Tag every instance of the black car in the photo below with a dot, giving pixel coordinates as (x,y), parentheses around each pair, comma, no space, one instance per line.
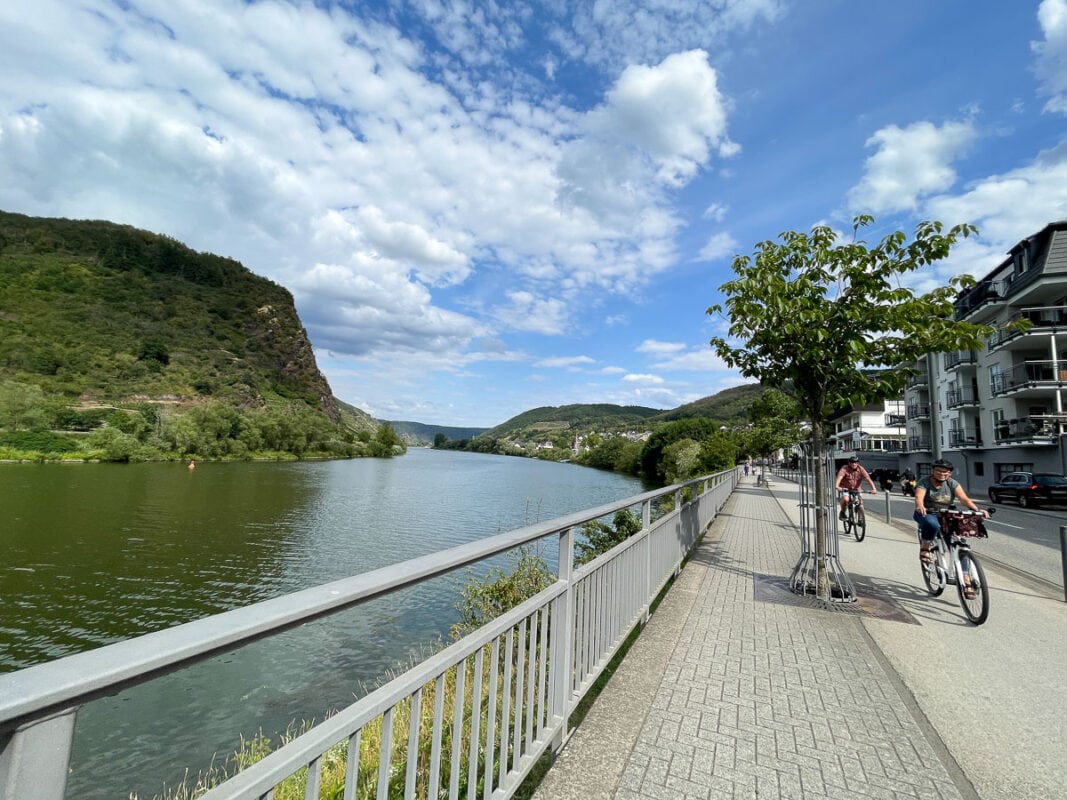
(1030,489)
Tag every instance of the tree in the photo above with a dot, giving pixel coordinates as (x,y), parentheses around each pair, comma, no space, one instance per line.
(22,405)
(775,417)
(599,537)
(818,315)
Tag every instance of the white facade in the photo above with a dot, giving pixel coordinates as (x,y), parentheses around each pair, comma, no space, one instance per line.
(875,433)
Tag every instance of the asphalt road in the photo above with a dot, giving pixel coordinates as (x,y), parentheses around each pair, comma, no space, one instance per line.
(1023,540)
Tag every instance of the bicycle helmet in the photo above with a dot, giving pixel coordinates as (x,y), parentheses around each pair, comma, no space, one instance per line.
(854,459)
(942,464)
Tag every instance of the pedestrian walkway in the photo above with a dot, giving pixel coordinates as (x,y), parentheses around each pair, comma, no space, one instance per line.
(737,688)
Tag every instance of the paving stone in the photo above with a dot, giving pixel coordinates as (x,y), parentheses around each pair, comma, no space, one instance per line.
(750,698)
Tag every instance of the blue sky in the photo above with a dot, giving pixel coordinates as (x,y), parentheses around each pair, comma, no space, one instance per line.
(486,207)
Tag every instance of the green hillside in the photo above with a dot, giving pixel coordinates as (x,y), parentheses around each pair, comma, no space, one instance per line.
(730,406)
(578,417)
(97,317)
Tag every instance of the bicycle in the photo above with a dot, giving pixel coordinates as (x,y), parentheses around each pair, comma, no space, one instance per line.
(855,517)
(954,562)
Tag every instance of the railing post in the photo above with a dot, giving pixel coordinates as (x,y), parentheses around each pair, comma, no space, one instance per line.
(678,531)
(1063,558)
(35,758)
(561,652)
(646,526)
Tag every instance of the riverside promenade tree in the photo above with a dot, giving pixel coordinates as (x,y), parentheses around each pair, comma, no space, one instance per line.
(834,321)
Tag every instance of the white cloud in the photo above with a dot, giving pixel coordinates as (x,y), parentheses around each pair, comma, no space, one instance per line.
(1050,63)
(716,212)
(659,349)
(645,379)
(719,245)
(564,361)
(910,163)
(632,31)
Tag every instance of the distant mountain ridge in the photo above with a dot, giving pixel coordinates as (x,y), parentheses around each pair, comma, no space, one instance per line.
(728,407)
(417,433)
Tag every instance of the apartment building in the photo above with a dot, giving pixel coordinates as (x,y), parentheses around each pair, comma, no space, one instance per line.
(875,433)
(1000,408)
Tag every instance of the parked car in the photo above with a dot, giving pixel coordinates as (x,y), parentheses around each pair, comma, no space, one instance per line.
(1030,489)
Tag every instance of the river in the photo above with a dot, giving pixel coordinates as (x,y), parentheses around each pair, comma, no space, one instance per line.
(92,554)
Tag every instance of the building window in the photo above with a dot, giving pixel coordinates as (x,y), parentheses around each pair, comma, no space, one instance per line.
(979,469)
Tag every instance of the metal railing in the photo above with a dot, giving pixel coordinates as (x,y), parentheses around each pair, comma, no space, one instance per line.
(1030,374)
(514,681)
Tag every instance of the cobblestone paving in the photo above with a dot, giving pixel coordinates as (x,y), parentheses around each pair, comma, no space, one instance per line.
(769,700)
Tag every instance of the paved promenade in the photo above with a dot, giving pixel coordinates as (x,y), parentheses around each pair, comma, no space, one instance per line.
(738,688)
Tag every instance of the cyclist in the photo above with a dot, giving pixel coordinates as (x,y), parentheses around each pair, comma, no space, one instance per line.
(849,478)
(936,492)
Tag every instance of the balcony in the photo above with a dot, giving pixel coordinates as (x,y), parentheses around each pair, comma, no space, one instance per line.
(961,397)
(980,295)
(919,443)
(1031,378)
(918,379)
(961,358)
(1043,320)
(963,438)
(1037,429)
(918,411)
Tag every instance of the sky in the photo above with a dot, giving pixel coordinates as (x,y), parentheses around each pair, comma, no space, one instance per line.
(482,208)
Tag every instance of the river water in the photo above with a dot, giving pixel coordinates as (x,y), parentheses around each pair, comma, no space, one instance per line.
(92,554)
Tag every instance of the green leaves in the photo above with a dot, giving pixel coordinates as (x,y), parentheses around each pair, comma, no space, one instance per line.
(822,314)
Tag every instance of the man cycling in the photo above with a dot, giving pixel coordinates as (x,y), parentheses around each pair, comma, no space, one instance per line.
(849,479)
(933,493)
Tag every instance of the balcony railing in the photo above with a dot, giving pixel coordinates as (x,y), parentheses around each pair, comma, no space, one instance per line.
(963,396)
(1037,428)
(919,443)
(521,675)
(1042,319)
(981,294)
(918,411)
(960,358)
(964,438)
(1031,374)
(918,379)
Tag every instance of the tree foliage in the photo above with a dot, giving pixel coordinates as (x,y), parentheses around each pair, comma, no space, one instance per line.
(775,424)
(598,537)
(818,315)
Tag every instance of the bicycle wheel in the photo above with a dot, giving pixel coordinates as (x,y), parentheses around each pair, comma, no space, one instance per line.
(934,580)
(859,528)
(976,608)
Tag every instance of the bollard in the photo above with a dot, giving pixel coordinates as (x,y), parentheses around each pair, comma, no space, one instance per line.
(888,510)
(1063,558)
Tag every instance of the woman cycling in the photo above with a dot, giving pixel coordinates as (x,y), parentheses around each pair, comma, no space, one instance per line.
(936,492)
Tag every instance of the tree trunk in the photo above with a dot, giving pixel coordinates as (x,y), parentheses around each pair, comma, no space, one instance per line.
(823,505)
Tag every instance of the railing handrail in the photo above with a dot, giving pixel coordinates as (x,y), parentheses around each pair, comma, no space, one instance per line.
(73,679)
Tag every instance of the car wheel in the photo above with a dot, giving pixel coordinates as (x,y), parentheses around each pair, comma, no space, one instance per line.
(993,497)
(1026,501)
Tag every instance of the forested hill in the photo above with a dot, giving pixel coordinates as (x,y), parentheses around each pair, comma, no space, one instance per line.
(548,419)
(728,406)
(94,314)
(108,312)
